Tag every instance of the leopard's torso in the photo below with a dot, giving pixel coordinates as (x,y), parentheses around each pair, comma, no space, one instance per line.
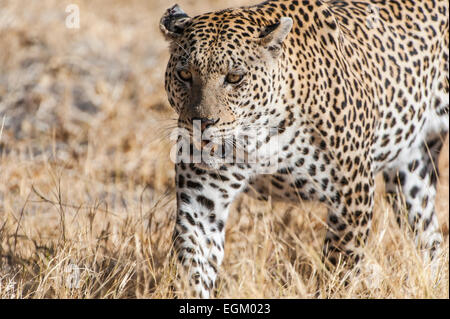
(351,89)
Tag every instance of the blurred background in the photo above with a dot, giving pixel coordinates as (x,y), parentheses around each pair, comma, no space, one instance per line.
(86,184)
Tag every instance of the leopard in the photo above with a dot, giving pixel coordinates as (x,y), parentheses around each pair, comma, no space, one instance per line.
(336,91)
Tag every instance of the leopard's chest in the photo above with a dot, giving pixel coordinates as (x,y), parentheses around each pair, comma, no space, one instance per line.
(302,171)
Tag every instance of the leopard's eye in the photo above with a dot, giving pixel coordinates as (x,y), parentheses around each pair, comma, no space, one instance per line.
(185,75)
(233,78)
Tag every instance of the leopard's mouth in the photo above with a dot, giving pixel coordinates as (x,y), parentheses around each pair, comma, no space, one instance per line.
(215,147)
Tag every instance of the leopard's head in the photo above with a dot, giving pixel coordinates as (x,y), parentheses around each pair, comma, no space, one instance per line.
(224,69)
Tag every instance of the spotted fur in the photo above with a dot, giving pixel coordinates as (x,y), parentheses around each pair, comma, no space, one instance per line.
(353,88)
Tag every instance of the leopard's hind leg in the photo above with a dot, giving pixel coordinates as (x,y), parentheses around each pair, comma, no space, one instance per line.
(416,181)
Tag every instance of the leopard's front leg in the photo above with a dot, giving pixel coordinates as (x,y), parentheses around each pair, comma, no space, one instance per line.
(350,217)
(203,200)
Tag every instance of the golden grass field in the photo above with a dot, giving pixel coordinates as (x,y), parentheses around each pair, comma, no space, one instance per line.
(87,202)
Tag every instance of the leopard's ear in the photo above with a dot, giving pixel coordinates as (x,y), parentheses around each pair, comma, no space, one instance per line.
(272,36)
(173,22)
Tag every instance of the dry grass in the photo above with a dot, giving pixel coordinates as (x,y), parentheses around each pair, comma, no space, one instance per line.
(86,192)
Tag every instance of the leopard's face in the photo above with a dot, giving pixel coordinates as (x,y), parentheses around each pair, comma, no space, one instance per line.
(223,69)
(215,84)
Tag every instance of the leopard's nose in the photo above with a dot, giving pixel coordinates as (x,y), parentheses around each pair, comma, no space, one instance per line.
(205,122)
